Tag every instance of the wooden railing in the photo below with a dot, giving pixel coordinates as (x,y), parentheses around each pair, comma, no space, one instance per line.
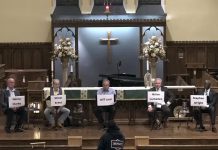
(39,147)
(177,147)
(135,143)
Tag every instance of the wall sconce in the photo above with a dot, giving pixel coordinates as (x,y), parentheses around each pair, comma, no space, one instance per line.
(35,107)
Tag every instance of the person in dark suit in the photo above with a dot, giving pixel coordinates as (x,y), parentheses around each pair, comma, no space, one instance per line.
(210,109)
(112,139)
(10,112)
(164,108)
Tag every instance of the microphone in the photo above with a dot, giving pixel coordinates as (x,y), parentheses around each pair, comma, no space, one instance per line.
(120,63)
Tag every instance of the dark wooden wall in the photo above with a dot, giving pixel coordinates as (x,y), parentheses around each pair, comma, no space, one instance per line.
(25,55)
(193,53)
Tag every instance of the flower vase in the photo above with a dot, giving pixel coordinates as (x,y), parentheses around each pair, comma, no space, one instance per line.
(64,70)
(153,67)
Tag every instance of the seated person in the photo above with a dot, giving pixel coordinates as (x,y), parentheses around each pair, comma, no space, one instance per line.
(113,139)
(152,108)
(105,90)
(51,111)
(10,91)
(211,109)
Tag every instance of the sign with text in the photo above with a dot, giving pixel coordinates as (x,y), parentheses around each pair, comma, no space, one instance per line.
(156,97)
(198,100)
(117,144)
(105,100)
(16,101)
(58,100)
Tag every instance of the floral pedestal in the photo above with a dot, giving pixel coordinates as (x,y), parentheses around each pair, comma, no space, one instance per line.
(64,70)
(153,67)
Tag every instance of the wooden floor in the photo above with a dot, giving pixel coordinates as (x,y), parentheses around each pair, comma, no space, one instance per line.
(40,132)
(166,138)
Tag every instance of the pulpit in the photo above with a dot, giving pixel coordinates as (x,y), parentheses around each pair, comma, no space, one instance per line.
(35,100)
(23,76)
(195,70)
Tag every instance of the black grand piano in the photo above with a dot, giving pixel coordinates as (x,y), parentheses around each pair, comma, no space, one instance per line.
(122,80)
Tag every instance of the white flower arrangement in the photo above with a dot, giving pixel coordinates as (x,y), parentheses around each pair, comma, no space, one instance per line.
(64,50)
(153,49)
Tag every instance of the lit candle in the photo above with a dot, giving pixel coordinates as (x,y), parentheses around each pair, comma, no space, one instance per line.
(47,79)
(52,65)
(71,68)
(38,106)
(24,79)
(147,63)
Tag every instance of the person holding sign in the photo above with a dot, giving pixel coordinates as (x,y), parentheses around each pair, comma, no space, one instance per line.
(106,98)
(209,108)
(113,139)
(162,106)
(11,108)
(53,109)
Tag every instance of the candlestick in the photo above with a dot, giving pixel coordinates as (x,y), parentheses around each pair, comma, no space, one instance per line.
(147,63)
(47,79)
(71,68)
(24,79)
(52,65)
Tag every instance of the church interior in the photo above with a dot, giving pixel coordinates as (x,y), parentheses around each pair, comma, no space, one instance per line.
(131,43)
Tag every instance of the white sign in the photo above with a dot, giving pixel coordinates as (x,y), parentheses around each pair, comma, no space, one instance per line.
(117,144)
(58,100)
(156,97)
(105,100)
(199,100)
(16,101)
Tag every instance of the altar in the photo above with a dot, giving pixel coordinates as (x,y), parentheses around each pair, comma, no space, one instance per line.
(131,101)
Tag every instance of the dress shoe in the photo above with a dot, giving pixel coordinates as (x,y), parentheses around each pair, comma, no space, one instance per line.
(214,129)
(201,129)
(52,127)
(60,125)
(18,130)
(101,126)
(7,130)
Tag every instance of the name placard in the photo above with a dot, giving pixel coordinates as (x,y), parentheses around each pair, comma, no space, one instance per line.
(16,101)
(58,100)
(117,144)
(198,100)
(156,97)
(105,100)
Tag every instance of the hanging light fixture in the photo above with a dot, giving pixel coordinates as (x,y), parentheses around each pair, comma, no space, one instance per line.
(107,5)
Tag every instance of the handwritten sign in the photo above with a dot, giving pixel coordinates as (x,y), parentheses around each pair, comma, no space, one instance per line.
(16,101)
(117,144)
(156,97)
(199,100)
(58,100)
(105,100)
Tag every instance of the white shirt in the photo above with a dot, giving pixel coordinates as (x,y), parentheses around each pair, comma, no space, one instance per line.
(207,92)
(159,90)
(12,92)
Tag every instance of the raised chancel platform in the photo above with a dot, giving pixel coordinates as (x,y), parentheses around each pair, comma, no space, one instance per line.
(137,137)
